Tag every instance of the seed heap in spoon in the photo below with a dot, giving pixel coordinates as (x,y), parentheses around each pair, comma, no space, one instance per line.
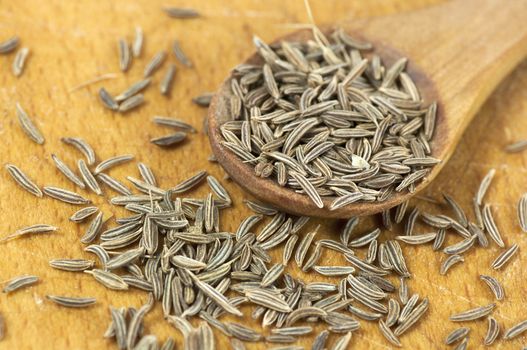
(323,120)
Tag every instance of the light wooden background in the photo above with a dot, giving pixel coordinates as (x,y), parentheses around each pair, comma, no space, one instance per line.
(74,41)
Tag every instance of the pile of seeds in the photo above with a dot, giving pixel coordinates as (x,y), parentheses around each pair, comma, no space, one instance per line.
(173,247)
(323,120)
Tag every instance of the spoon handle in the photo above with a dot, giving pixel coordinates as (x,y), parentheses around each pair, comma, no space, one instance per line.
(458,53)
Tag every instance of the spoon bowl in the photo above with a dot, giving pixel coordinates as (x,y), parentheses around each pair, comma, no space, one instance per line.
(452,58)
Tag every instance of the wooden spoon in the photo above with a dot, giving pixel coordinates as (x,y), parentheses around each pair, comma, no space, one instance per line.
(458,53)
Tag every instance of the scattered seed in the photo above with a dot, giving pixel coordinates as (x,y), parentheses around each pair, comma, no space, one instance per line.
(515,330)
(19,282)
(494,286)
(20,60)
(28,126)
(473,314)
(504,257)
(456,335)
(493,329)
(179,12)
(9,45)
(74,302)
(65,195)
(64,169)
(124,55)
(180,55)
(82,146)
(23,181)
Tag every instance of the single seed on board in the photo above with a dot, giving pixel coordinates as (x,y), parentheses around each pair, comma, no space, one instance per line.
(83,213)
(124,55)
(95,80)
(154,64)
(137,45)
(483,187)
(515,330)
(64,169)
(20,60)
(517,146)
(133,89)
(108,279)
(203,100)
(111,162)
(173,123)
(114,184)
(28,126)
(131,103)
(82,146)
(169,140)
(88,178)
(93,229)
(2,327)
(491,227)
(493,329)
(8,45)
(180,55)
(456,208)
(456,335)
(168,79)
(504,257)
(463,345)
(65,195)
(38,228)
(473,314)
(414,316)
(494,286)
(74,265)
(388,334)
(23,181)
(180,12)
(418,239)
(522,212)
(107,100)
(19,282)
(74,302)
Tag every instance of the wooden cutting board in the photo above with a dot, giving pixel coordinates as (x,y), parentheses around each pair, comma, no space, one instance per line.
(74,41)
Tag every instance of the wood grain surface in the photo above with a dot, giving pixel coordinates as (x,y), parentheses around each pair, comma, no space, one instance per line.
(74,41)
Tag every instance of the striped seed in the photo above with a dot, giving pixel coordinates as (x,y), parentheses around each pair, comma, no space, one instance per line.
(88,178)
(23,180)
(493,329)
(73,302)
(124,55)
(9,45)
(494,286)
(82,146)
(28,126)
(112,162)
(504,257)
(515,330)
(74,265)
(64,169)
(473,314)
(168,78)
(20,61)
(19,282)
(180,55)
(29,230)
(65,195)
(456,335)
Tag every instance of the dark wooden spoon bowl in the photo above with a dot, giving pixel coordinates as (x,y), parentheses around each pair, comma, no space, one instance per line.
(458,53)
